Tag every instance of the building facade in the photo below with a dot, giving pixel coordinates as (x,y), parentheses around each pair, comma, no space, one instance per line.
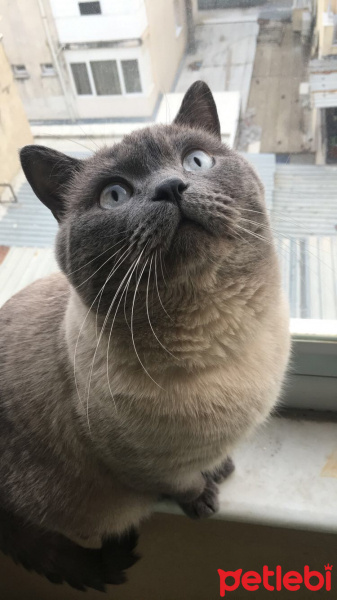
(107,59)
(14,127)
(323,80)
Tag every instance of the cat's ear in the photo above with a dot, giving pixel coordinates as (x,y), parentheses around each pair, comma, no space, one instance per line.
(198,109)
(48,173)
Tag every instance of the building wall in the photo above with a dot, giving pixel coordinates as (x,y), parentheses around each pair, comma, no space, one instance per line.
(25,43)
(158,50)
(151,31)
(326,28)
(116,106)
(119,20)
(167,41)
(14,127)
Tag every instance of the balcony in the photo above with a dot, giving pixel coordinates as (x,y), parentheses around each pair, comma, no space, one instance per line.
(118,20)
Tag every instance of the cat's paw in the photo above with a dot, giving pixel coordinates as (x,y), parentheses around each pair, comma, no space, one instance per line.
(223,471)
(206,505)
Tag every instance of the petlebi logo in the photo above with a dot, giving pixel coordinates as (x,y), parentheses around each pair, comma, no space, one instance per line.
(275,580)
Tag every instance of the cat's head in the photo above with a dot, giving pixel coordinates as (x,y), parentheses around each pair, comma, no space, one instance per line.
(172,193)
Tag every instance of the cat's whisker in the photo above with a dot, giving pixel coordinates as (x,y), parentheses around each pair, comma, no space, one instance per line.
(113,270)
(88,136)
(124,292)
(94,273)
(156,278)
(285,219)
(132,331)
(77,342)
(100,337)
(124,308)
(80,144)
(259,237)
(116,266)
(148,312)
(161,266)
(287,238)
(96,257)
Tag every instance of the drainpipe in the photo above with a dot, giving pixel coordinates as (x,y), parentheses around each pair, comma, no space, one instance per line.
(191,43)
(68,101)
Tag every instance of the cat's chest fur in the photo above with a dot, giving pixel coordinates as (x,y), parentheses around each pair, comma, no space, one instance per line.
(174,414)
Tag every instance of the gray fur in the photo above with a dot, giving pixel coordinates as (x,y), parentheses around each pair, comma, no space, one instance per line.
(87,465)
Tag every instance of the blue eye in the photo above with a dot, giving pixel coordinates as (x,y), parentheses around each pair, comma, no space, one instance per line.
(114,195)
(198,160)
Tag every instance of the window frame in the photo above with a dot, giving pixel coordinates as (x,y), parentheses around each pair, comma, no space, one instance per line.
(21,73)
(44,70)
(311,382)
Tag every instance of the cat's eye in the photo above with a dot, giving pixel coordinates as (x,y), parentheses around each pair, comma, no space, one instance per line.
(198,160)
(114,195)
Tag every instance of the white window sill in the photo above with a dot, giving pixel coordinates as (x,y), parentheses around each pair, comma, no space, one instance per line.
(286,476)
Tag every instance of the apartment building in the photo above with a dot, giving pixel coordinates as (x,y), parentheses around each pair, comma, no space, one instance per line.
(14,127)
(323,80)
(107,59)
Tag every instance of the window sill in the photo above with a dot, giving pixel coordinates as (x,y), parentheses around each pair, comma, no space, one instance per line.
(286,476)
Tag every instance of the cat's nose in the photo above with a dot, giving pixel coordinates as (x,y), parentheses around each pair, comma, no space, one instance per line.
(170,190)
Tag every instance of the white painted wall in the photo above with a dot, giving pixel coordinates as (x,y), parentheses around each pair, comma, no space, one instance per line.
(120,19)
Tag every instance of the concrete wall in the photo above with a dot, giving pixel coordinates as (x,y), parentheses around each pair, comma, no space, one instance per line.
(25,43)
(159,53)
(325,27)
(14,127)
(167,42)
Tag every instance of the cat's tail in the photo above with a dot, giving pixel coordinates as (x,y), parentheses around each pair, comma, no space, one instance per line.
(61,560)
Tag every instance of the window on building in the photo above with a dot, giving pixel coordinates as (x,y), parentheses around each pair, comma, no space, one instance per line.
(20,72)
(106,78)
(131,76)
(90,8)
(48,70)
(81,78)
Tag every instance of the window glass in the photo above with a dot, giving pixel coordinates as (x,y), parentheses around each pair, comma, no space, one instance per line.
(131,76)
(105,74)
(81,78)
(90,8)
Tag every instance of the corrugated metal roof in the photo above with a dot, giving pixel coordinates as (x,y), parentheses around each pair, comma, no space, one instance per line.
(21,267)
(323,82)
(305,200)
(304,216)
(28,223)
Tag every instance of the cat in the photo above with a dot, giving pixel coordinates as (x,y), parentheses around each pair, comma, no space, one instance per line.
(131,375)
